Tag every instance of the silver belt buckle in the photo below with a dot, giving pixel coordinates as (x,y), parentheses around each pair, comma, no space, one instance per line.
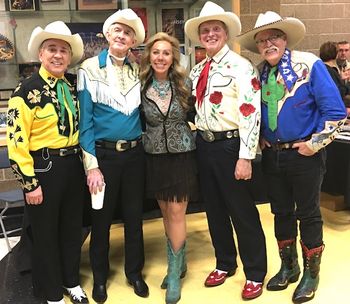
(118,145)
(208,136)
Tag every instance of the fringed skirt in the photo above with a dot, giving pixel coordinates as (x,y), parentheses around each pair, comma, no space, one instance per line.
(172,177)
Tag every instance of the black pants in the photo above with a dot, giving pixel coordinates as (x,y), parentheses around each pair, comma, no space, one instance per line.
(124,177)
(229,202)
(294,183)
(57,224)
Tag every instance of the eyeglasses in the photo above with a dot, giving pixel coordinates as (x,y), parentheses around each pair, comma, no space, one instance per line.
(272,39)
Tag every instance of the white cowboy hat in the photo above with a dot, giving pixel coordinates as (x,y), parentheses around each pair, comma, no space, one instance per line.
(212,11)
(56,30)
(292,27)
(128,17)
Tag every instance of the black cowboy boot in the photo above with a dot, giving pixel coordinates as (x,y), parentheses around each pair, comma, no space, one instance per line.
(305,290)
(290,270)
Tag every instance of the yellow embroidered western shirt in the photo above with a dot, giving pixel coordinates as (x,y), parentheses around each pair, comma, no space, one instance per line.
(33,123)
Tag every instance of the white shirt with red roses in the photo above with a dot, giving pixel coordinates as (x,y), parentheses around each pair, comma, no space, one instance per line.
(231,100)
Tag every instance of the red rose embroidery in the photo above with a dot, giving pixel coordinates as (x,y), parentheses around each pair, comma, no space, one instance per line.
(256,84)
(247,109)
(215,97)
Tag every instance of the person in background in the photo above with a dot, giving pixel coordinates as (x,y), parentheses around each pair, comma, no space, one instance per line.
(170,148)
(227,94)
(42,140)
(328,54)
(302,112)
(113,155)
(343,62)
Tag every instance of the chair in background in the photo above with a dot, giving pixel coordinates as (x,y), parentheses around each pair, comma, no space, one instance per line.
(8,199)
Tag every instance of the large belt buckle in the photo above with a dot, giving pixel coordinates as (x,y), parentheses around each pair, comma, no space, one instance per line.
(118,145)
(208,136)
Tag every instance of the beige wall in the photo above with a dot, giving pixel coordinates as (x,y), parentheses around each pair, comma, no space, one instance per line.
(324,19)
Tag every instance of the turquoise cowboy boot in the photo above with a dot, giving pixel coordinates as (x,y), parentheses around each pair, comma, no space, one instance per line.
(307,287)
(183,268)
(290,270)
(173,291)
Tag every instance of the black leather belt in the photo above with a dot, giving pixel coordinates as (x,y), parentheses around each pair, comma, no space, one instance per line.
(120,145)
(210,136)
(58,152)
(287,145)
(282,146)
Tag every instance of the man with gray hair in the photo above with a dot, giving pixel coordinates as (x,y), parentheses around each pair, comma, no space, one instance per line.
(110,136)
(302,112)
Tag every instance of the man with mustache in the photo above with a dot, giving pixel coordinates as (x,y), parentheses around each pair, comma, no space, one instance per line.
(302,112)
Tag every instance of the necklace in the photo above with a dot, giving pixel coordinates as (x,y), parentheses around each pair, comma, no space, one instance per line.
(161,87)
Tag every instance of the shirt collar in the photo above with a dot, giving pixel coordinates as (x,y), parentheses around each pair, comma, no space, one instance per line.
(125,62)
(285,68)
(221,54)
(50,79)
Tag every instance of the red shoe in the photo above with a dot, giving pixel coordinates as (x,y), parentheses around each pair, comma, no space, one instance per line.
(216,279)
(251,290)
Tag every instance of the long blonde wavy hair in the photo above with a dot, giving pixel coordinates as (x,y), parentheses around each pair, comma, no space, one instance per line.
(176,73)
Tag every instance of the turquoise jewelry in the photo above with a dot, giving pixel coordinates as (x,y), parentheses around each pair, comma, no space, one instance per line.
(161,87)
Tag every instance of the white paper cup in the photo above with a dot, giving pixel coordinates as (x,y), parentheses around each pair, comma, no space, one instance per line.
(97,199)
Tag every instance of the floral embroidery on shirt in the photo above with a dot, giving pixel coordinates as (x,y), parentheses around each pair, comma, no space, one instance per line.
(12,115)
(215,98)
(52,93)
(256,84)
(247,109)
(28,183)
(34,96)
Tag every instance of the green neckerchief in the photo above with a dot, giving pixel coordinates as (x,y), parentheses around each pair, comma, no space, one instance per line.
(64,93)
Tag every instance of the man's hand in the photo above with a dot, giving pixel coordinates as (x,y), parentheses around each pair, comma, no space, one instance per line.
(243,169)
(303,149)
(264,143)
(35,197)
(95,180)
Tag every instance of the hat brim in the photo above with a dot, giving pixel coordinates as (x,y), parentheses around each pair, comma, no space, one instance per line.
(231,21)
(75,42)
(135,24)
(292,27)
